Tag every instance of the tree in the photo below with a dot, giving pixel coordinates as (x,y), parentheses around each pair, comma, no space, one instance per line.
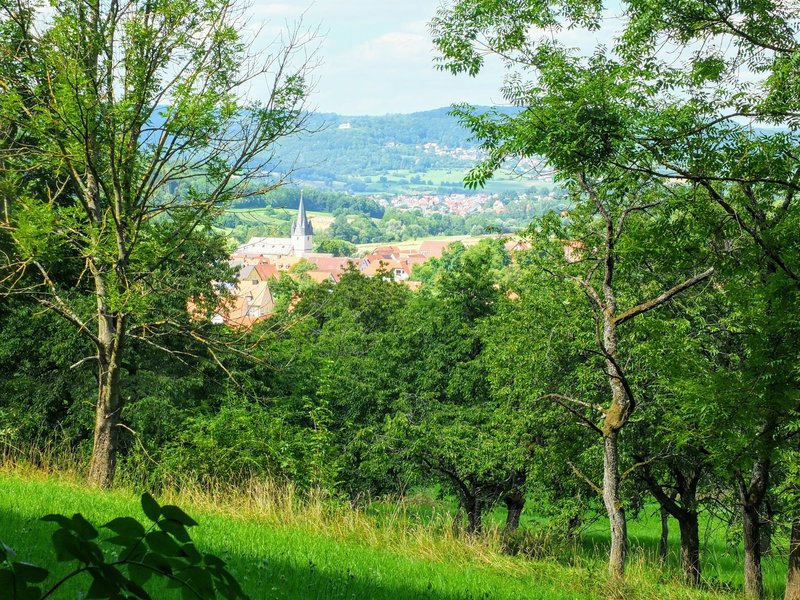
(690,119)
(613,206)
(111,107)
(336,247)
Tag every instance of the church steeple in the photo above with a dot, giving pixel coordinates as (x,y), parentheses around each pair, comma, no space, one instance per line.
(302,231)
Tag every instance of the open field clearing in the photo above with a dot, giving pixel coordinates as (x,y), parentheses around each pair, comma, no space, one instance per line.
(281,547)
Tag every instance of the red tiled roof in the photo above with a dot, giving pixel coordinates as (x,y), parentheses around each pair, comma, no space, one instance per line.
(433,248)
(515,245)
(319,276)
(266,270)
(415,259)
(386,265)
(332,263)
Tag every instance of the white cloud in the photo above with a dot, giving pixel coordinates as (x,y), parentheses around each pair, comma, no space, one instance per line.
(394,46)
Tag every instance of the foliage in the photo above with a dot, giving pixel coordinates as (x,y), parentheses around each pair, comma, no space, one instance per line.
(336,247)
(162,550)
(129,123)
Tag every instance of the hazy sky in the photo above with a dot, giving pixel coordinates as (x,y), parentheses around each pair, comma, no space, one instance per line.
(377,56)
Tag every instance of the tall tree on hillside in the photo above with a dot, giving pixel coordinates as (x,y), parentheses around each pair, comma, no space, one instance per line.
(689,119)
(126,129)
(598,263)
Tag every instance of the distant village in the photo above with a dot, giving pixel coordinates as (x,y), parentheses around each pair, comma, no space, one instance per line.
(456,204)
(264,258)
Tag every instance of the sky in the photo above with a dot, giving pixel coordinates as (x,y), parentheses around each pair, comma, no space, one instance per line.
(377,56)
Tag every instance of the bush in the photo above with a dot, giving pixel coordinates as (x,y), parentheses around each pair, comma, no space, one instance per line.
(163,550)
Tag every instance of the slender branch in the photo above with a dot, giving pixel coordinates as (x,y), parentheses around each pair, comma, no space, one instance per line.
(591,405)
(638,465)
(661,299)
(84,360)
(576,413)
(596,488)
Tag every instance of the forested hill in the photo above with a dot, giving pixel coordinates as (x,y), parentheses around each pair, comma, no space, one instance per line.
(353,152)
(436,125)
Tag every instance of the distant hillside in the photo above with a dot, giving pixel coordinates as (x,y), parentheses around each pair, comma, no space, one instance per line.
(392,178)
(417,152)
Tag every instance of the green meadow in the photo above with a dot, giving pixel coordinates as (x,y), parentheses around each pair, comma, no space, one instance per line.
(281,546)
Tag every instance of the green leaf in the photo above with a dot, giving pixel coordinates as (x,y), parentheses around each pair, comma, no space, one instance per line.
(158,562)
(126,527)
(192,555)
(137,591)
(139,574)
(200,580)
(213,561)
(9,551)
(66,545)
(175,529)
(102,588)
(162,543)
(136,553)
(124,542)
(29,572)
(30,593)
(65,522)
(150,507)
(83,528)
(6,579)
(188,594)
(176,514)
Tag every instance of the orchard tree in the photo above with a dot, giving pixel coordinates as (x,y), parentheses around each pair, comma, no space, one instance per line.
(603,263)
(127,127)
(629,106)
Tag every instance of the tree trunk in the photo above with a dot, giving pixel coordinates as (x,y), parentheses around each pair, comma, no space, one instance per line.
(753,577)
(663,547)
(104,449)
(751,497)
(515,502)
(685,512)
(793,573)
(613,504)
(109,402)
(473,507)
(690,548)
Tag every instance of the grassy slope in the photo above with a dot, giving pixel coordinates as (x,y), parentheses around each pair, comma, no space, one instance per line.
(310,551)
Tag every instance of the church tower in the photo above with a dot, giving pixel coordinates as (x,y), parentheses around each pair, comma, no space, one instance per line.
(302,231)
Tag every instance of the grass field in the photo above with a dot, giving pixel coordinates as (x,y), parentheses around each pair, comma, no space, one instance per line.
(409,245)
(280,547)
(259,216)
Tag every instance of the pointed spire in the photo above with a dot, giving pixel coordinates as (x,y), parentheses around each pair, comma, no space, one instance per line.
(302,226)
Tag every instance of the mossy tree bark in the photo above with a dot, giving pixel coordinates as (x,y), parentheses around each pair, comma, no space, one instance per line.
(751,497)
(623,401)
(109,401)
(663,540)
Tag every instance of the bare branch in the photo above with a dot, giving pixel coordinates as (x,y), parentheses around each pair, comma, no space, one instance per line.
(596,488)
(83,361)
(588,422)
(661,299)
(638,465)
(561,397)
